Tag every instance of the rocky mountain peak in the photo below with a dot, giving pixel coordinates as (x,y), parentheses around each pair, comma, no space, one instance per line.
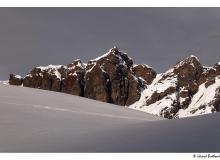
(114,50)
(110,78)
(73,81)
(183,90)
(113,56)
(191,60)
(76,63)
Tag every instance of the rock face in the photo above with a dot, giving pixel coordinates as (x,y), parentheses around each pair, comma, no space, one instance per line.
(73,80)
(182,91)
(15,80)
(188,73)
(109,78)
(48,78)
(145,72)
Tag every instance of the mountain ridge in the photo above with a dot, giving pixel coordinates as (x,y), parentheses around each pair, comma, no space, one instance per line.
(114,78)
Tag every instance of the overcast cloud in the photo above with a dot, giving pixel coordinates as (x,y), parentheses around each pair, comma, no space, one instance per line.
(158,37)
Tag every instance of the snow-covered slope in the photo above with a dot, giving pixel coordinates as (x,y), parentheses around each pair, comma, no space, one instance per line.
(187,89)
(4,82)
(33,120)
(156,87)
(202,101)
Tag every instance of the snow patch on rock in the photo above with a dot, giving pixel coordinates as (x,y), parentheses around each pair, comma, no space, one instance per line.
(52,69)
(159,87)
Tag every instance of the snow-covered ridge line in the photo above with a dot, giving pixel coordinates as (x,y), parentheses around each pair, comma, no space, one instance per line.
(50,67)
(113,50)
(102,56)
(55,69)
(190,59)
(135,65)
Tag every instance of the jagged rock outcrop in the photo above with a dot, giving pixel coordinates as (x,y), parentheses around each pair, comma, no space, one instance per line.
(209,73)
(134,89)
(109,78)
(188,72)
(97,84)
(15,80)
(73,80)
(216,101)
(146,73)
(48,78)
(175,87)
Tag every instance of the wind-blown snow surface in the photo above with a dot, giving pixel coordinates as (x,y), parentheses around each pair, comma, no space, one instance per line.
(33,120)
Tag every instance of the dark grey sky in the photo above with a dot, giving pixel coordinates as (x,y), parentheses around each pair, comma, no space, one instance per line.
(156,36)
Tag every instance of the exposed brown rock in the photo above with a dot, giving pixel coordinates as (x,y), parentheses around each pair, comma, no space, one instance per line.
(73,81)
(112,79)
(145,72)
(97,85)
(169,112)
(209,73)
(134,89)
(209,82)
(188,72)
(48,78)
(217,68)
(216,101)
(158,96)
(73,84)
(15,80)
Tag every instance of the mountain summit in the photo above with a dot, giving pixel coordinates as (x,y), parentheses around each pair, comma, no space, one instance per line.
(110,78)
(186,89)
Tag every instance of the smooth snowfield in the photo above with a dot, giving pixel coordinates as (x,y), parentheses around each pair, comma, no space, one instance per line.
(33,120)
